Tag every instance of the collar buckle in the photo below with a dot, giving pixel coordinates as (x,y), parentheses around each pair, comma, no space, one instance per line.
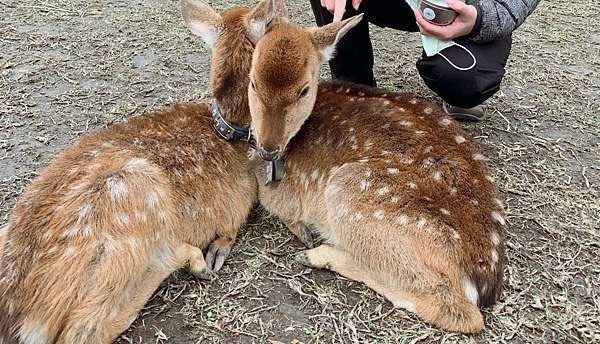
(226,130)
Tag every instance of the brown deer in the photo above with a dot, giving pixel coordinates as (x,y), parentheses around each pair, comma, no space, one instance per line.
(111,217)
(400,195)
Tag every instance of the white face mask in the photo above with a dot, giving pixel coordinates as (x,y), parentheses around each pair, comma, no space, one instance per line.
(433,46)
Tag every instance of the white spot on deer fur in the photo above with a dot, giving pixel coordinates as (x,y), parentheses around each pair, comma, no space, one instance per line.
(74,231)
(413,101)
(355,147)
(444,211)
(384,152)
(405,123)
(386,102)
(386,126)
(383,191)
(459,139)
(479,157)
(379,214)
(365,185)
(428,110)
(348,90)
(388,161)
(495,257)
(421,223)
(140,216)
(351,99)
(407,161)
(495,238)
(411,185)
(395,199)
(420,132)
(455,234)
(437,176)
(135,165)
(402,220)
(453,191)
(474,202)
(445,122)
(116,187)
(340,89)
(351,129)
(498,218)
(32,332)
(391,170)
(151,200)
(384,95)
(110,244)
(70,251)
(122,219)
(84,211)
(428,162)
(470,291)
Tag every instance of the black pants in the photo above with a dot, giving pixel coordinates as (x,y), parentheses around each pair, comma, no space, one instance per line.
(354,57)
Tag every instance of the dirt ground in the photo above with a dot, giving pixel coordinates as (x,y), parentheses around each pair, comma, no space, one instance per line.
(71,66)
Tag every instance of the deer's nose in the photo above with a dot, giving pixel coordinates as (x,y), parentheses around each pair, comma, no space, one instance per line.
(267,154)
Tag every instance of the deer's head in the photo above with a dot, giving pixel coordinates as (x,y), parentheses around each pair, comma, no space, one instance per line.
(231,37)
(284,78)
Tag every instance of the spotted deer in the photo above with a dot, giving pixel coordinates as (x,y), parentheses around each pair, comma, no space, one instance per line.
(111,217)
(401,197)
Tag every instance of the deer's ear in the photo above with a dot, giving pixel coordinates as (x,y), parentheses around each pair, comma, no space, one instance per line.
(202,20)
(258,20)
(328,36)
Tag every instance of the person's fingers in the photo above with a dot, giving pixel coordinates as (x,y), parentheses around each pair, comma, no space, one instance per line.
(338,12)
(441,32)
(356,4)
(329,5)
(458,6)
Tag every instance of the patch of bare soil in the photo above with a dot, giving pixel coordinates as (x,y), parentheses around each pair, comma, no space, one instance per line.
(70,66)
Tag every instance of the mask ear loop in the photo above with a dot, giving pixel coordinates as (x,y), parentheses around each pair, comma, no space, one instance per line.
(457,67)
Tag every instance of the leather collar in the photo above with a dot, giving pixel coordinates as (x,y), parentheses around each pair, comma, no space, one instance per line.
(226,130)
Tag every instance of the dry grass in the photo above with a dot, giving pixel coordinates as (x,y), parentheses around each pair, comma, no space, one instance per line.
(70,66)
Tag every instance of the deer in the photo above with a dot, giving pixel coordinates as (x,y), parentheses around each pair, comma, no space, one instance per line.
(111,217)
(400,196)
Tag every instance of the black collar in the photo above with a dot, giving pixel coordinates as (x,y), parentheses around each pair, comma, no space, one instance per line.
(231,132)
(226,130)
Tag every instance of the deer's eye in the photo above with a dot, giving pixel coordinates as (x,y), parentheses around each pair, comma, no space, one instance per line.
(304,92)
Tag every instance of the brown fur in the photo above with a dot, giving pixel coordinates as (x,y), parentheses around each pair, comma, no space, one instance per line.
(111,217)
(402,198)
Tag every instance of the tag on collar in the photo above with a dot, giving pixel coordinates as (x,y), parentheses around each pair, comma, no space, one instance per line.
(275,171)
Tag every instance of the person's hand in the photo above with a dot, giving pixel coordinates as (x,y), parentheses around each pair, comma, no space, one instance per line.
(338,7)
(461,26)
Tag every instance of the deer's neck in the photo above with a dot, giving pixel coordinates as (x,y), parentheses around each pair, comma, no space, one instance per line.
(235,112)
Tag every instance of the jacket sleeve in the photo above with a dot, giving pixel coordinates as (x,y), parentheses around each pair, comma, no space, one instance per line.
(499,18)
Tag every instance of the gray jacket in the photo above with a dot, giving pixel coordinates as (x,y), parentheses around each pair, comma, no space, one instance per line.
(499,18)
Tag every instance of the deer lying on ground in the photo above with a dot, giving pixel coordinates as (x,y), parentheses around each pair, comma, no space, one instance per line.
(110,218)
(402,198)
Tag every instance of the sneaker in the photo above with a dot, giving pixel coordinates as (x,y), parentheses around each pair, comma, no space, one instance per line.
(474,114)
